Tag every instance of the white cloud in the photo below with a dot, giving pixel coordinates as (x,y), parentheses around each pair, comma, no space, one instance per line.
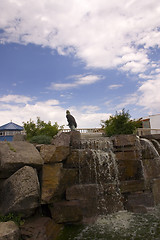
(90,109)
(115,86)
(49,110)
(79,80)
(15,99)
(147,95)
(94,31)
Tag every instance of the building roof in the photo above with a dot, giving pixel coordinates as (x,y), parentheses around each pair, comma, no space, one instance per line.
(11,126)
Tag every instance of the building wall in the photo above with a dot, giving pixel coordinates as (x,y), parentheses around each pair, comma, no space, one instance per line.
(155,121)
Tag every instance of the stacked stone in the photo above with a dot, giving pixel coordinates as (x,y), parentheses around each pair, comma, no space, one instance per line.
(138,173)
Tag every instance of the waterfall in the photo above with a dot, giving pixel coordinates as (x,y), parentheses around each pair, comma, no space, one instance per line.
(102,164)
(149,147)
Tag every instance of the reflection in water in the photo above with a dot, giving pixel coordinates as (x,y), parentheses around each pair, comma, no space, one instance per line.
(118,226)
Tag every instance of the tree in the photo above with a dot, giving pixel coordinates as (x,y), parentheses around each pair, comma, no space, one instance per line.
(120,123)
(40,128)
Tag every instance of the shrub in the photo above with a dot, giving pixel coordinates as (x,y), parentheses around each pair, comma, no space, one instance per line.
(41,139)
(40,128)
(120,124)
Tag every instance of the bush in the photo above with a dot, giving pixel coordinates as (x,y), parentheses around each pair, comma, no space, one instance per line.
(120,124)
(41,139)
(40,128)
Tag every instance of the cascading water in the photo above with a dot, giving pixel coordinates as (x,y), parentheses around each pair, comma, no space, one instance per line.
(112,221)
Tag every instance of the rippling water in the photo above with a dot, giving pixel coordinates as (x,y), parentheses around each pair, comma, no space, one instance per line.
(118,226)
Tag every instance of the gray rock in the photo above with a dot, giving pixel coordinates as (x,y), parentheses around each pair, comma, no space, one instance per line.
(20,192)
(9,231)
(61,139)
(14,155)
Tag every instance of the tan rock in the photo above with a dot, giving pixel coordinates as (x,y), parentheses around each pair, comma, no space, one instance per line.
(55,180)
(52,154)
(14,155)
(132,155)
(51,175)
(9,230)
(124,140)
(61,139)
(130,170)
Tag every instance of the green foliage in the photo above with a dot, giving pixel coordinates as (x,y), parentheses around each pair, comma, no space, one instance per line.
(41,139)
(12,217)
(40,128)
(120,124)
(11,147)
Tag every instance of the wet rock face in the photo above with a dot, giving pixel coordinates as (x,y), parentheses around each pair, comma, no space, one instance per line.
(20,192)
(139,165)
(78,179)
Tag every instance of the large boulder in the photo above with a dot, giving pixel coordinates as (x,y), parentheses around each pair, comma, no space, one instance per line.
(125,140)
(40,228)
(9,231)
(61,139)
(20,192)
(14,155)
(51,153)
(55,180)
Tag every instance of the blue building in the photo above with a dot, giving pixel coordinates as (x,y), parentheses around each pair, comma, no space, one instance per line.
(8,131)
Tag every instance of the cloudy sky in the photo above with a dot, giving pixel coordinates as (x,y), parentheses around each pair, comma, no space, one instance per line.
(93,57)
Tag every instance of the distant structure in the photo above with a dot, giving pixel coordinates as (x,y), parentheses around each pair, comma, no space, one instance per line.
(151,124)
(8,131)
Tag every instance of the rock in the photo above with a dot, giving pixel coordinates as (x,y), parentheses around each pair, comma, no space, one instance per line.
(20,192)
(52,154)
(14,155)
(51,175)
(19,137)
(78,158)
(130,170)
(132,155)
(75,137)
(124,140)
(40,228)
(139,199)
(81,192)
(132,186)
(148,149)
(96,199)
(55,179)
(151,168)
(139,209)
(61,139)
(156,191)
(66,212)
(9,231)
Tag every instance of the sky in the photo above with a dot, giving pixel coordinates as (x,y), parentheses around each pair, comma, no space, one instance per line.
(92,57)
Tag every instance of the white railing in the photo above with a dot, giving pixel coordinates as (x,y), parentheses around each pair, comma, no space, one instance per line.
(86,130)
(147,131)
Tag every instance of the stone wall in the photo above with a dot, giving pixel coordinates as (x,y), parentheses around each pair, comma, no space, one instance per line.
(73,180)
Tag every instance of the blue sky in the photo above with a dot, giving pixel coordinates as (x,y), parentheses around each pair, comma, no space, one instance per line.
(91,57)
